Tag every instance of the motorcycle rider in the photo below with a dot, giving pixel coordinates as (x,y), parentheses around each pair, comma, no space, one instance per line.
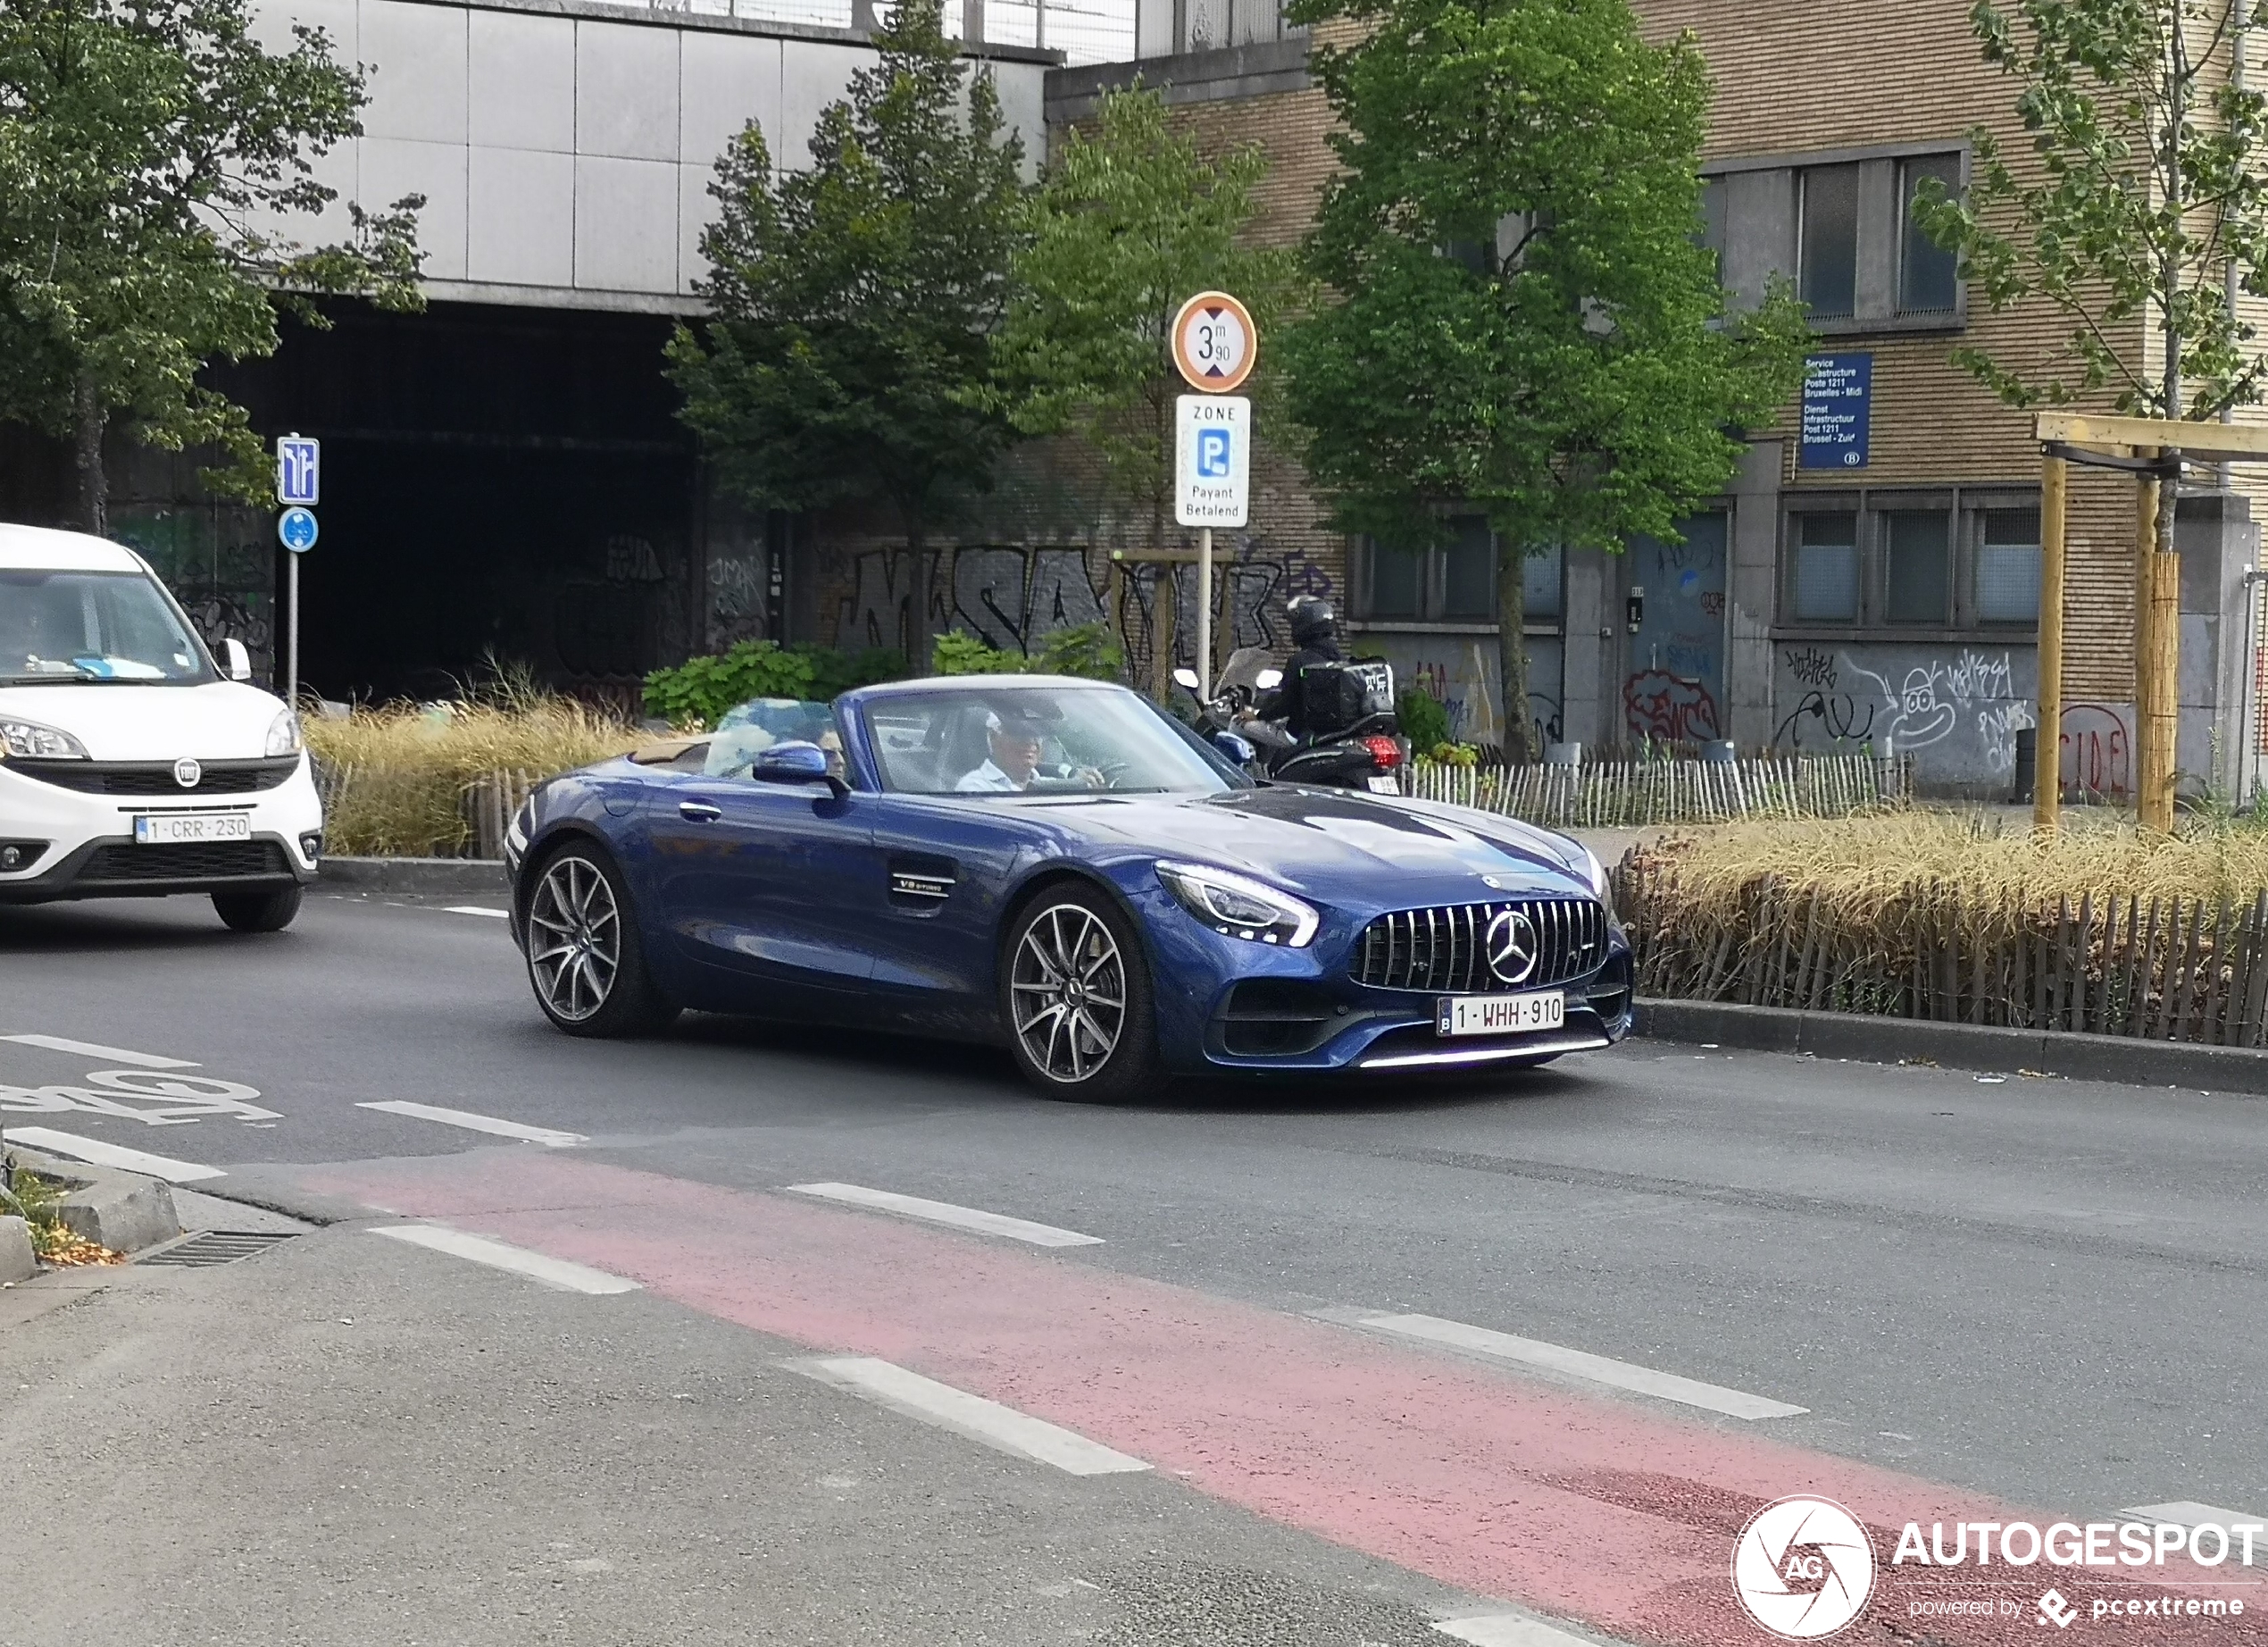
(1314,631)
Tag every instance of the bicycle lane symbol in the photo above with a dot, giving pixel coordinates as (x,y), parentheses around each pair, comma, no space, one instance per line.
(168,1097)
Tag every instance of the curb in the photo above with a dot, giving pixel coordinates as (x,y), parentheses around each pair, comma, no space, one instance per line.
(415,874)
(118,1210)
(2116,1059)
(17,1262)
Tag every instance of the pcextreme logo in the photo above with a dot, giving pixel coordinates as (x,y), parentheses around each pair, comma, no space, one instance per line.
(1803,1567)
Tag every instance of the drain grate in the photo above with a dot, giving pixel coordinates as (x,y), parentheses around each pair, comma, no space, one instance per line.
(202,1252)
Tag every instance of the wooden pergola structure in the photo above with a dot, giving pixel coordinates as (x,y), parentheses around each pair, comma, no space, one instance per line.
(2153,450)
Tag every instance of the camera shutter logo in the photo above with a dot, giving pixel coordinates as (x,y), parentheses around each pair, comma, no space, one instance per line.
(1803,1567)
(1513,949)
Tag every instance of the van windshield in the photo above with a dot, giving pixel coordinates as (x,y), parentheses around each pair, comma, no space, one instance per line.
(93,626)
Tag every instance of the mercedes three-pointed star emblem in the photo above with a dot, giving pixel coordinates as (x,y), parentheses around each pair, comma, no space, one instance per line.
(1513,948)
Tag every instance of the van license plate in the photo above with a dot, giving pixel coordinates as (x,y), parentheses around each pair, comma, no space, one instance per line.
(168,829)
(1501,1015)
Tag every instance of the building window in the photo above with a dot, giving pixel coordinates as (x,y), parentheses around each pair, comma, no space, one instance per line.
(1469,572)
(1827,241)
(1710,236)
(1540,583)
(2008,567)
(1928,274)
(1827,569)
(1918,566)
(1397,582)
(1452,582)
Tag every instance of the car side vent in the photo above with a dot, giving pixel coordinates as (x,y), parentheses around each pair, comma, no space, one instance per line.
(921,883)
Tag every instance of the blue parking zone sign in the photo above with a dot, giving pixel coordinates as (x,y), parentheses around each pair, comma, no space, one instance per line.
(1214,447)
(1212,460)
(299,470)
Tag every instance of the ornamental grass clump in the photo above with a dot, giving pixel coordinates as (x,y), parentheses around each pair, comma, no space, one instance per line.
(396,777)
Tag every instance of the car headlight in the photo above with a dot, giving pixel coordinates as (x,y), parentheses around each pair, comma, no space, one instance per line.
(28,740)
(283,734)
(1238,906)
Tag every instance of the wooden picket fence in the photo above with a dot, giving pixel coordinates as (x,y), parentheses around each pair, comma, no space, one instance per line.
(2160,969)
(1625,794)
(473,826)
(490,802)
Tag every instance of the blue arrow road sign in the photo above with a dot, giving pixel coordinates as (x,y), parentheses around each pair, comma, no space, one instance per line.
(299,467)
(296,530)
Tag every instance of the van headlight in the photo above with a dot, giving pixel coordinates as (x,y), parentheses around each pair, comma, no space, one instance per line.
(28,740)
(1239,906)
(283,734)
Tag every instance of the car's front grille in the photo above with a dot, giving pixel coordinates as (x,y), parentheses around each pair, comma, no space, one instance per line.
(156,777)
(1445,950)
(185,860)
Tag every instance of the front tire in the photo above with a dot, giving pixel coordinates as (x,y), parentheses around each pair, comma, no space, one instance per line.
(1076,998)
(266,911)
(585,959)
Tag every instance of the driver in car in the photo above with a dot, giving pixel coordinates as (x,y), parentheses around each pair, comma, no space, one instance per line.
(1016,737)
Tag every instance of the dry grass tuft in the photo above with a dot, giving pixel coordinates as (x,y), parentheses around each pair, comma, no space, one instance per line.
(397,776)
(1863,865)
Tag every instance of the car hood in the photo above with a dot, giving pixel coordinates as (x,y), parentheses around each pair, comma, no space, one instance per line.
(219,720)
(1340,846)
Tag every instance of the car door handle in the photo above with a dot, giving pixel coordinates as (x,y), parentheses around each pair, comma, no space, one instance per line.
(699,812)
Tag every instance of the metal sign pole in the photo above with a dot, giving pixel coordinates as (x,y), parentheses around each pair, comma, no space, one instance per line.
(1204,613)
(2047,747)
(291,643)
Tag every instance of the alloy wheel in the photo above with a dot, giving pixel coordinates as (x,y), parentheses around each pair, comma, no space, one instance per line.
(575,938)
(1068,990)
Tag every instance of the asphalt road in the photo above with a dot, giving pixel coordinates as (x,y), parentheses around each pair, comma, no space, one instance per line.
(2016,1297)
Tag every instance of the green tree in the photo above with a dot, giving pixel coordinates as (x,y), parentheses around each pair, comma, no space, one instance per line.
(852,303)
(1525,325)
(1131,221)
(2140,210)
(147,150)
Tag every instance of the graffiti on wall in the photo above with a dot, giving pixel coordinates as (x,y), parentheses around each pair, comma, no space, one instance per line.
(736,599)
(1014,597)
(1956,710)
(1675,709)
(2095,744)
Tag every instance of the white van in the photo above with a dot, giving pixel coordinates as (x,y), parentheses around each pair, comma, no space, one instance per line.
(131,765)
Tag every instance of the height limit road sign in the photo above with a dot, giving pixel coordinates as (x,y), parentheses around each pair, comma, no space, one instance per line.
(1214,345)
(299,470)
(1213,460)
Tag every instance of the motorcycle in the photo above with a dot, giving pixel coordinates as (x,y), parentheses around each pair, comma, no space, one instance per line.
(1357,745)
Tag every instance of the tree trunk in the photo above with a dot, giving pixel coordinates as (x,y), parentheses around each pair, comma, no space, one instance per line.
(1512,651)
(94,485)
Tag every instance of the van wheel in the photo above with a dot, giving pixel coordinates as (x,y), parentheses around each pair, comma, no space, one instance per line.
(268,911)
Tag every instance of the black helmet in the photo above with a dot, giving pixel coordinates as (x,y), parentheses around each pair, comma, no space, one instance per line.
(1312,618)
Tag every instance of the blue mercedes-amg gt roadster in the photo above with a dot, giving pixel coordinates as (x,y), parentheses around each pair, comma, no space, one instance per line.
(1058,866)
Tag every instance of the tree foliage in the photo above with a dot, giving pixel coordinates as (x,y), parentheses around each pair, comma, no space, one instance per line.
(1131,221)
(853,302)
(2141,191)
(697,692)
(151,152)
(1525,326)
(1088,651)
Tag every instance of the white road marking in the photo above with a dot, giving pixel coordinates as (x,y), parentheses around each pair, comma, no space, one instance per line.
(1511,1630)
(97,1153)
(479,1123)
(551,1272)
(945,1212)
(108,1055)
(2181,1512)
(1002,1428)
(1579,1364)
(501,914)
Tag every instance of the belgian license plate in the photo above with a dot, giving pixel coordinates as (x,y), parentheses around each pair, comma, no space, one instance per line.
(1380,784)
(1500,1015)
(165,829)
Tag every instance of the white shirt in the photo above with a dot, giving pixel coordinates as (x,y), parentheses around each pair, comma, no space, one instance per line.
(987,777)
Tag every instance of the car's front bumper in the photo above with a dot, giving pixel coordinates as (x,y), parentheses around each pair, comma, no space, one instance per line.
(1227,1004)
(72,844)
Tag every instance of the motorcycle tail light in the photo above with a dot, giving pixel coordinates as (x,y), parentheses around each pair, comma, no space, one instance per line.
(1384,751)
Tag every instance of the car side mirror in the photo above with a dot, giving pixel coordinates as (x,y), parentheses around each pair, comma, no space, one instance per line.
(794,762)
(1269,680)
(1186,677)
(236,662)
(1237,748)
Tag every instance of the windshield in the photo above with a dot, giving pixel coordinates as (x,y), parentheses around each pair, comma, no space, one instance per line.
(1014,740)
(57,626)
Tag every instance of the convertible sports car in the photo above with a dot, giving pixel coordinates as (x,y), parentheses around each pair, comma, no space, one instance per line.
(1059,865)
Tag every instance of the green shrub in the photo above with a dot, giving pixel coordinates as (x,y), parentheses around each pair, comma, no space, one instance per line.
(1087,650)
(1424,722)
(699,692)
